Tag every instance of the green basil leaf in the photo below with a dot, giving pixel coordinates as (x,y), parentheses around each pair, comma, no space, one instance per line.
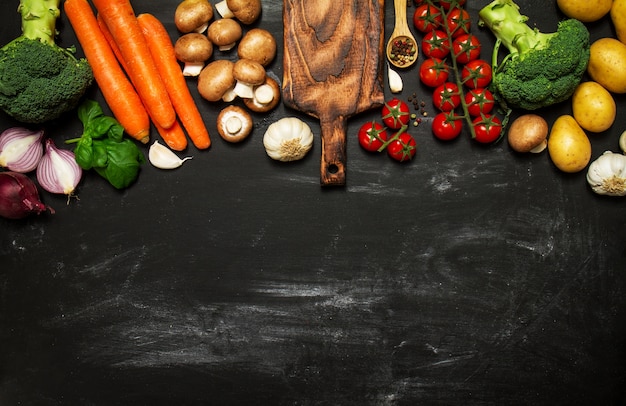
(84,153)
(89,110)
(124,163)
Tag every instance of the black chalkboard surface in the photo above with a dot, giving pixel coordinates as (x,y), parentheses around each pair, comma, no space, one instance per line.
(471,275)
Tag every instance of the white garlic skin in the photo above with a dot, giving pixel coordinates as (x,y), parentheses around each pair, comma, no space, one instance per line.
(395,81)
(607,174)
(288,139)
(162,157)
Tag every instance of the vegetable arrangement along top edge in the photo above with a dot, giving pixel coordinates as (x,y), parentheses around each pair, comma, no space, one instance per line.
(476,100)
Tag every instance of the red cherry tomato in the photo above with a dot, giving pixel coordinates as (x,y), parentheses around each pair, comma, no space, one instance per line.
(487,128)
(435,44)
(395,113)
(447,97)
(479,101)
(427,17)
(434,72)
(476,74)
(458,21)
(447,125)
(372,136)
(466,48)
(402,148)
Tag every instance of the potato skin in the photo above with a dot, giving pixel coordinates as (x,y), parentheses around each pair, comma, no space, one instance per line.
(593,107)
(607,64)
(568,145)
(618,16)
(585,10)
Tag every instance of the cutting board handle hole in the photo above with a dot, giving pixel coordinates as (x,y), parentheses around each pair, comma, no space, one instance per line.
(332,168)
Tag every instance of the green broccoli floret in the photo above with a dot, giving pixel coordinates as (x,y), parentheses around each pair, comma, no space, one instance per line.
(541,69)
(39,80)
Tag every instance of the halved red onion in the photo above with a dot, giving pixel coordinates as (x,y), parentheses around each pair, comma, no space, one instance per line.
(58,171)
(20,149)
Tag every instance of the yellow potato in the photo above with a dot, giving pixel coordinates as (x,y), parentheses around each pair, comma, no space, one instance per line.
(568,145)
(607,64)
(593,107)
(585,10)
(618,16)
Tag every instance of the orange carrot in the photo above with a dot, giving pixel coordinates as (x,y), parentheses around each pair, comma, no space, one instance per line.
(162,50)
(109,38)
(118,92)
(119,17)
(174,136)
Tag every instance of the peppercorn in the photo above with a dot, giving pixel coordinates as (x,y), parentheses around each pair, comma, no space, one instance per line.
(403,50)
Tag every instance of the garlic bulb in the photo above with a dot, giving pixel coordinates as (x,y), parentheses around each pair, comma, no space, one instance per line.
(395,81)
(162,157)
(288,139)
(607,174)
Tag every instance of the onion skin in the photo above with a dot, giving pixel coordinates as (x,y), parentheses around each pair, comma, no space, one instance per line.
(19,197)
(58,171)
(15,154)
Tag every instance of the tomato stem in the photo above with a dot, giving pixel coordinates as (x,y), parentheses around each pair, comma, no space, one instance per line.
(393,138)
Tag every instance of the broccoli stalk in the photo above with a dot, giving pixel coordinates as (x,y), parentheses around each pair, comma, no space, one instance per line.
(39,81)
(39,19)
(541,69)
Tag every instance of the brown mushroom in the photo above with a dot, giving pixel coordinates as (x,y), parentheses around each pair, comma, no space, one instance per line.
(234,124)
(246,11)
(193,50)
(216,79)
(224,33)
(193,15)
(528,133)
(259,45)
(248,74)
(266,96)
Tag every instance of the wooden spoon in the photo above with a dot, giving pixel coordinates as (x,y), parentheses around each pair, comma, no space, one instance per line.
(402,47)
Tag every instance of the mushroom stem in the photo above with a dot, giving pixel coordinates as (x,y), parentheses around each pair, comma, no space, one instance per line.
(229,95)
(539,148)
(244,90)
(192,68)
(233,125)
(222,8)
(264,94)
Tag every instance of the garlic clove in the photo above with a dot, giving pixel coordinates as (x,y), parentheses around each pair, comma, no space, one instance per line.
(395,81)
(622,142)
(162,157)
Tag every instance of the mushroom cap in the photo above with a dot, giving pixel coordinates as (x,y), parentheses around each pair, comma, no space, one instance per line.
(246,11)
(528,133)
(215,79)
(224,31)
(193,47)
(256,106)
(249,72)
(258,45)
(191,15)
(234,124)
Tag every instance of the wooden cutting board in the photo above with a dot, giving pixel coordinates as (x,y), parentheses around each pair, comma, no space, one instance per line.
(333,68)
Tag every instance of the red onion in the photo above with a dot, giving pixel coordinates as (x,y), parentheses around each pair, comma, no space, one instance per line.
(20,149)
(58,171)
(19,196)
